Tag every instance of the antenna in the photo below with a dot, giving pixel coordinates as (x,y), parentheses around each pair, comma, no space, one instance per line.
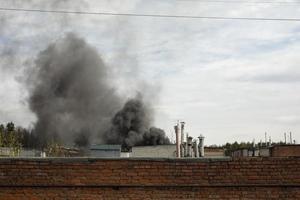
(265,138)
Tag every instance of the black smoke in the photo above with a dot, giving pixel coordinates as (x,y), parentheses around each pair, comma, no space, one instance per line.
(130,127)
(74,100)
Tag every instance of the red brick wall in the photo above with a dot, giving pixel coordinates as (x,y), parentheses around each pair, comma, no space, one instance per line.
(83,178)
(285,150)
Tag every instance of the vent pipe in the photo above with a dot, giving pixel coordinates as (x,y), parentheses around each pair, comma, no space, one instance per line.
(291,140)
(195,149)
(182,131)
(182,139)
(266,144)
(284,138)
(186,146)
(189,144)
(201,146)
(177,140)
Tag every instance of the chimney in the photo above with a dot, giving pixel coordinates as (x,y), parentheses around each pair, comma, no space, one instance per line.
(182,131)
(284,137)
(189,143)
(266,139)
(201,146)
(186,146)
(291,139)
(195,149)
(177,140)
(182,139)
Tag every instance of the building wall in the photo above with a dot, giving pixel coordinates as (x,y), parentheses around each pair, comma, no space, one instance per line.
(264,152)
(169,151)
(285,150)
(105,153)
(159,151)
(86,178)
(214,152)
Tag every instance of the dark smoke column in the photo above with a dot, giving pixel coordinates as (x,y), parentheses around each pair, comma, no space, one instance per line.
(130,127)
(70,93)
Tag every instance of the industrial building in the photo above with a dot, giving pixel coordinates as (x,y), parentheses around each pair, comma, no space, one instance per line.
(169,151)
(283,150)
(105,150)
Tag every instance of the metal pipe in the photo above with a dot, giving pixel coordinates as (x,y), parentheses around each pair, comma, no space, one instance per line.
(182,131)
(266,139)
(201,146)
(195,148)
(186,153)
(177,140)
(182,149)
(285,138)
(190,143)
(182,139)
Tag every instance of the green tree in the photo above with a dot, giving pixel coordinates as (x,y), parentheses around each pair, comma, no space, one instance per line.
(13,139)
(2,138)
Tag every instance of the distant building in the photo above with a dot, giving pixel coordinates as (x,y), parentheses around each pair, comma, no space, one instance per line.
(285,150)
(169,151)
(165,151)
(244,152)
(214,152)
(282,150)
(9,152)
(29,153)
(105,150)
(240,153)
(264,152)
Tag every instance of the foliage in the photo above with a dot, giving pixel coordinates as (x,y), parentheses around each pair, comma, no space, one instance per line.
(16,138)
(10,137)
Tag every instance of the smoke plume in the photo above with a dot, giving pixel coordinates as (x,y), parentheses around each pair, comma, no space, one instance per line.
(75,102)
(130,127)
(70,92)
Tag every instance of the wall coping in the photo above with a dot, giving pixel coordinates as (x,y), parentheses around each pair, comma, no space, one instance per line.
(95,159)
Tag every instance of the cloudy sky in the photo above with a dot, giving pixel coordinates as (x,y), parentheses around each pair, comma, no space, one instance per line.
(227,79)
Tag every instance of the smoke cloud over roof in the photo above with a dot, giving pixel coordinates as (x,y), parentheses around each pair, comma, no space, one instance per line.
(75,101)
(130,126)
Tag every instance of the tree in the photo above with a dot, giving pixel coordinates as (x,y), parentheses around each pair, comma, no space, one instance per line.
(13,139)
(2,139)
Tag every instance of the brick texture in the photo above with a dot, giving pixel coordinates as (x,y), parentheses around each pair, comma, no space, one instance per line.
(285,150)
(83,178)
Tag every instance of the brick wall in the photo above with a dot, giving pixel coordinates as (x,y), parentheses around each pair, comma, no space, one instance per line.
(83,178)
(285,150)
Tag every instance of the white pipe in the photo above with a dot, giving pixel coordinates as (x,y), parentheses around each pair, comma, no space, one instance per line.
(177,141)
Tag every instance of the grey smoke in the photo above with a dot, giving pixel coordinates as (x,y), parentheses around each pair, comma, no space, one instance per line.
(74,100)
(70,92)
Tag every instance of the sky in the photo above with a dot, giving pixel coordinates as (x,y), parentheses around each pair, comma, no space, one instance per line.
(229,80)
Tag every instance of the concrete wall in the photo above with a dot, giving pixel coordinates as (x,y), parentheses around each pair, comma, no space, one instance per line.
(159,151)
(168,151)
(84,178)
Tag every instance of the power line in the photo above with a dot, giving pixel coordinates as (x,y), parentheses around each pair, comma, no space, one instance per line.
(243,2)
(149,15)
